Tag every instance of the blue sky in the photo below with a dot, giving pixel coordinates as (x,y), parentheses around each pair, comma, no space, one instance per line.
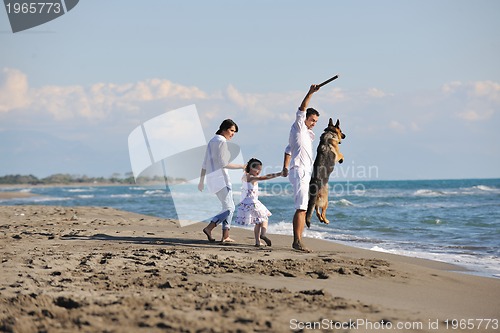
(418,94)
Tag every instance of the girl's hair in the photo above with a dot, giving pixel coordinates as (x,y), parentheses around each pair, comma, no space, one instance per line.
(225,125)
(251,164)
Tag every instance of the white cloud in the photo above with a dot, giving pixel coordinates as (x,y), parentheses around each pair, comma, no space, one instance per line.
(488,89)
(472,115)
(13,90)
(244,101)
(94,103)
(333,95)
(451,87)
(260,108)
(415,127)
(104,113)
(63,102)
(377,93)
(478,101)
(397,126)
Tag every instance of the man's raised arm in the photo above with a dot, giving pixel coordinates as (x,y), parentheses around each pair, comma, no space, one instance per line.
(305,102)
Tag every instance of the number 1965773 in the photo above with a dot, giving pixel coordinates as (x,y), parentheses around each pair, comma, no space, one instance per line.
(33,7)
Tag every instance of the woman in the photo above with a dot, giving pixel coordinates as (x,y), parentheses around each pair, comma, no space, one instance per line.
(215,168)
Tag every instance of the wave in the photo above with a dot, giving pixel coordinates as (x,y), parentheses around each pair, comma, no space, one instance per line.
(432,221)
(486,188)
(47,199)
(78,190)
(86,196)
(433,193)
(481,265)
(121,196)
(382,204)
(342,203)
(137,188)
(459,191)
(154,192)
(470,257)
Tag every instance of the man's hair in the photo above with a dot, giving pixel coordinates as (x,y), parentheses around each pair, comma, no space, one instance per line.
(225,125)
(311,111)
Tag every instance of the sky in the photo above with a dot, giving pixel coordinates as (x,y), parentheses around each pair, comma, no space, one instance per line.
(418,94)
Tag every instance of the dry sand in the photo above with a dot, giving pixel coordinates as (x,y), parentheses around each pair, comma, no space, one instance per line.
(95,269)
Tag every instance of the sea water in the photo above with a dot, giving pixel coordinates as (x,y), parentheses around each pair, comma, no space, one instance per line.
(453,221)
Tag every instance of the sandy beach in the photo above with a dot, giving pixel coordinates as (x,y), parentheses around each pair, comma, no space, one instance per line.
(97,269)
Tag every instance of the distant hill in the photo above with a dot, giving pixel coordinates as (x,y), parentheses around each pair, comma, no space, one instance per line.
(64,179)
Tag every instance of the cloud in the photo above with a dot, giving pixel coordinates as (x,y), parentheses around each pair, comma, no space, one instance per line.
(397,126)
(96,102)
(13,90)
(487,89)
(377,93)
(472,115)
(372,110)
(63,102)
(477,101)
(401,126)
(451,87)
(262,107)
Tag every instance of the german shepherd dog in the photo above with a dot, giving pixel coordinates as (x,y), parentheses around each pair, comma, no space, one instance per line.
(327,154)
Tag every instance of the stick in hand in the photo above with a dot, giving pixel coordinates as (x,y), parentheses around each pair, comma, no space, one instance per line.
(327,81)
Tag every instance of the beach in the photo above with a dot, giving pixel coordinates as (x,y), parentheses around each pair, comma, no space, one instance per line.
(99,269)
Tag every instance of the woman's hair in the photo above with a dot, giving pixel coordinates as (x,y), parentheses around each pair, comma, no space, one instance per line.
(253,162)
(225,125)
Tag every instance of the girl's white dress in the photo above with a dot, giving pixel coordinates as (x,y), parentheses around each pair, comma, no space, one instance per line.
(250,209)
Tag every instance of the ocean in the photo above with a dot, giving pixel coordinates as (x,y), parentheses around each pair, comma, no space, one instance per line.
(453,221)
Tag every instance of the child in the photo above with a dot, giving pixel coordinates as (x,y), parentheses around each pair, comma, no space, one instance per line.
(251,210)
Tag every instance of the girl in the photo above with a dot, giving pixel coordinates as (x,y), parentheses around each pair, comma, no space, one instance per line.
(251,210)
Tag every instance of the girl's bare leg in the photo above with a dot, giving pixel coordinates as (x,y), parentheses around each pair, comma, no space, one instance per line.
(263,233)
(256,231)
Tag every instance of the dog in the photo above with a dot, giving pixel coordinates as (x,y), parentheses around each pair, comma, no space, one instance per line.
(327,154)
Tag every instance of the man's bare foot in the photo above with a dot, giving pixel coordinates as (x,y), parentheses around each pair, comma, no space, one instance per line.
(300,247)
(209,236)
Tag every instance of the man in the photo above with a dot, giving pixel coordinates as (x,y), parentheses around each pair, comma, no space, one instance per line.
(299,158)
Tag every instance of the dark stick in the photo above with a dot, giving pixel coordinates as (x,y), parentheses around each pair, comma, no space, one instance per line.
(328,81)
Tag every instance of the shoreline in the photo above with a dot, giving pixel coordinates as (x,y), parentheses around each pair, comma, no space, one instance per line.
(65,269)
(5,196)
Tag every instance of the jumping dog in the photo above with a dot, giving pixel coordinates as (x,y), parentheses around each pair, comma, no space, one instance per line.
(327,154)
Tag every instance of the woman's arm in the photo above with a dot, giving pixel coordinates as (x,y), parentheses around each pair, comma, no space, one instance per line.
(234,166)
(201,184)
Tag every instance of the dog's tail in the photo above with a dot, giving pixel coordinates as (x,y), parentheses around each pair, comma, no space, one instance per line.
(313,194)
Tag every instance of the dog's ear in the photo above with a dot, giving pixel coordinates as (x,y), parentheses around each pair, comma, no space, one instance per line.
(337,124)
(330,122)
